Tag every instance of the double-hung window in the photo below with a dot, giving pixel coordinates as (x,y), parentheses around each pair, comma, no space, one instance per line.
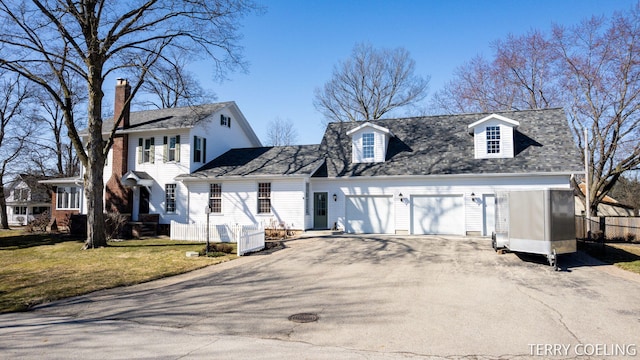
(215,198)
(170,198)
(146,150)
(171,148)
(367,145)
(19,210)
(264,198)
(199,149)
(493,139)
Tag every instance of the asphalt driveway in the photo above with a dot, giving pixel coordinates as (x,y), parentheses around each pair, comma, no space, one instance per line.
(375,297)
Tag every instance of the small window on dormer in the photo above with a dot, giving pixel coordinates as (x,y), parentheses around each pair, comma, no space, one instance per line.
(493,139)
(367,145)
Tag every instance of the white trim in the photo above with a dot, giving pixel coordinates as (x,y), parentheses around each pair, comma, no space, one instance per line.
(368,124)
(470,175)
(494,116)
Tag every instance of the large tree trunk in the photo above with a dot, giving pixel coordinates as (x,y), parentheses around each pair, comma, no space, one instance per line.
(93,177)
(4,220)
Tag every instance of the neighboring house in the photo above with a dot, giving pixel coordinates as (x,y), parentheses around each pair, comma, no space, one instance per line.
(150,150)
(26,199)
(607,207)
(421,175)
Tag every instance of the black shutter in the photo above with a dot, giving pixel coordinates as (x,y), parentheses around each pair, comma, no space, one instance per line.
(204,149)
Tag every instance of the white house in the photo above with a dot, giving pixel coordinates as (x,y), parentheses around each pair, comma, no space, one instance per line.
(26,199)
(422,175)
(150,150)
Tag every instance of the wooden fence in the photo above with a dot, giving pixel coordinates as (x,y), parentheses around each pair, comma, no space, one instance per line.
(609,228)
(248,237)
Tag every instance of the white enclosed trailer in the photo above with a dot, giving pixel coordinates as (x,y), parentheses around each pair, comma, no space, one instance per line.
(536,221)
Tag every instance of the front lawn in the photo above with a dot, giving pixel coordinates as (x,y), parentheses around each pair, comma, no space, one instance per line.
(36,269)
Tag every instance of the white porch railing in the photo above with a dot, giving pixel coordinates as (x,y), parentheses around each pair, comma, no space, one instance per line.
(248,237)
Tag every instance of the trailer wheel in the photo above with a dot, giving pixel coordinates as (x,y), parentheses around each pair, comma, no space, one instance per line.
(553,259)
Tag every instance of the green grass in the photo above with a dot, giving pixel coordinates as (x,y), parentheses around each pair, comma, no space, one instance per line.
(624,256)
(40,268)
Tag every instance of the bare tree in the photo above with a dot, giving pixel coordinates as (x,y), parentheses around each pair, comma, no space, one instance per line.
(601,81)
(169,84)
(52,151)
(93,39)
(626,191)
(369,84)
(281,132)
(15,130)
(591,69)
(520,76)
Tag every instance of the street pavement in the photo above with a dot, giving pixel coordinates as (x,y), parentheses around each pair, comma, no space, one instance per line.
(376,297)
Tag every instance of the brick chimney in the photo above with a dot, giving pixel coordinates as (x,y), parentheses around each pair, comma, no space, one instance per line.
(123,91)
(117,197)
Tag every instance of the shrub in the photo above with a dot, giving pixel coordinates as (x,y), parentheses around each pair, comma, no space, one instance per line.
(216,250)
(39,223)
(114,224)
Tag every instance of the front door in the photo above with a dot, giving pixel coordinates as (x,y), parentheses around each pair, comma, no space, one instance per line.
(144,200)
(320,210)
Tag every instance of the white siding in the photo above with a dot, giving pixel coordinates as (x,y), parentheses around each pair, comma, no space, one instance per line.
(240,202)
(163,173)
(220,138)
(479,186)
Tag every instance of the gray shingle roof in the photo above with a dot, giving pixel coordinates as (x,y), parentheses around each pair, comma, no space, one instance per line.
(440,145)
(172,118)
(298,160)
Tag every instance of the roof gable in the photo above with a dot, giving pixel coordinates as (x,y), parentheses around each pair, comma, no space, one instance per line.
(375,127)
(494,116)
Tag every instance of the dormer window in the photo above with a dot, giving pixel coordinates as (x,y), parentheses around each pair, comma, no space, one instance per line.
(493,139)
(368,145)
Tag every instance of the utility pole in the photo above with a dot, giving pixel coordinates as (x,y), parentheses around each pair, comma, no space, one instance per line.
(587,212)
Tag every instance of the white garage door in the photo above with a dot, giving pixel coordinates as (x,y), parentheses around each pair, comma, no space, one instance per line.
(370,215)
(437,215)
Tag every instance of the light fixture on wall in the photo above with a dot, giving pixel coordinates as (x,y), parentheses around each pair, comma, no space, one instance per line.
(401,198)
(473,197)
(335,197)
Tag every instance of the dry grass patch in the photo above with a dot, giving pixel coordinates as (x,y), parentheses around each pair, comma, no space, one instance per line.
(40,268)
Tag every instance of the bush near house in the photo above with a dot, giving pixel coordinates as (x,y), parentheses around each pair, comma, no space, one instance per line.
(39,223)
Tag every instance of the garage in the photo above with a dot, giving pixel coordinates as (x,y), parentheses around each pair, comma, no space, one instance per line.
(437,215)
(370,215)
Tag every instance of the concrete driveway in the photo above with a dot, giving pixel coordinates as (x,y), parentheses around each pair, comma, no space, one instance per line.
(376,297)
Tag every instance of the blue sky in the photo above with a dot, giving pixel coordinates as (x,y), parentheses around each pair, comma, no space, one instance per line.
(293,47)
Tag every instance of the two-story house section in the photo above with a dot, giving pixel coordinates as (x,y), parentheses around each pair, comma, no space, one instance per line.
(152,147)
(26,199)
